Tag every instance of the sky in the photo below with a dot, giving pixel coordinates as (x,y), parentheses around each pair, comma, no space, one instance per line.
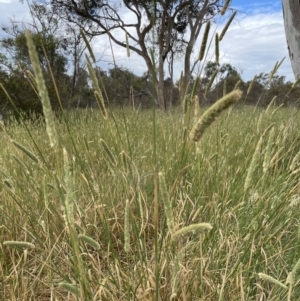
(254,42)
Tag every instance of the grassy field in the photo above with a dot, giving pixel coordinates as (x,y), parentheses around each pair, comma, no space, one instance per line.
(129,208)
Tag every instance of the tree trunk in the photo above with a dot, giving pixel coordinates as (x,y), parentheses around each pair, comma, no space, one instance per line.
(171,70)
(291,13)
(74,77)
(184,86)
(161,85)
(160,96)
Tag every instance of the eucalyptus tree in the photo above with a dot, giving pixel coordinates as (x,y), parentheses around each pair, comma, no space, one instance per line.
(18,79)
(69,39)
(291,12)
(53,57)
(165,17)
(60,47)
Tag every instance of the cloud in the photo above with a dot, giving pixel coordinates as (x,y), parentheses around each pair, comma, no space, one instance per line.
(13,10)
(256,43)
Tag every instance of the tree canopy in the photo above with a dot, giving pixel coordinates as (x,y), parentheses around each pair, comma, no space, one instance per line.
(164,23)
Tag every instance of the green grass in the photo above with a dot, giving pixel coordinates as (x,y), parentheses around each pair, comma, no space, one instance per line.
(71,206)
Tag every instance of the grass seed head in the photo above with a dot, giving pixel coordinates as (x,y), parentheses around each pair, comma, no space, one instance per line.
(88,45)
(196,107)
(109,153)
(237,84)
(251,85)
(164,194)
(268,152)
(49,118)
(97,90)
(195,86)
(217,50)
(253,164)
(69,288)
(204,41)
(191,229)
(186,102)
(127,45)
(224,87)
(275,69)
(212,113)
(19,244)
(224,9)
(271,280)
(90,241)
(211,81)
(100,101)
(270,105)
(226,26)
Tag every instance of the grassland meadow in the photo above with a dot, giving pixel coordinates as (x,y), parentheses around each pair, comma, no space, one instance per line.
(130,204)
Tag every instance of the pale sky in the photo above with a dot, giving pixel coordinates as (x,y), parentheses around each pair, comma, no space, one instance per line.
(253,44)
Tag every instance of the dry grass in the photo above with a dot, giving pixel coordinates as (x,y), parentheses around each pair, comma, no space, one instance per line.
(254,231)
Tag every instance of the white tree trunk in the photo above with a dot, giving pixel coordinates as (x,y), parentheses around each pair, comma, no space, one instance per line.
(291,17)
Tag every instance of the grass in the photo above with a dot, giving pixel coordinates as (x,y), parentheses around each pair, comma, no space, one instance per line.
(122,204)
(70,204)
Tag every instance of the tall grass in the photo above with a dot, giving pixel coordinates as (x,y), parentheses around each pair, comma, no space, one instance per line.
(253,231)
(130,208)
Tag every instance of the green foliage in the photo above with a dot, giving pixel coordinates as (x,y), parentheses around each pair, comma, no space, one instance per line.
(47,48)
(21,93)
(260,91)
(264,90)
(17,78)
